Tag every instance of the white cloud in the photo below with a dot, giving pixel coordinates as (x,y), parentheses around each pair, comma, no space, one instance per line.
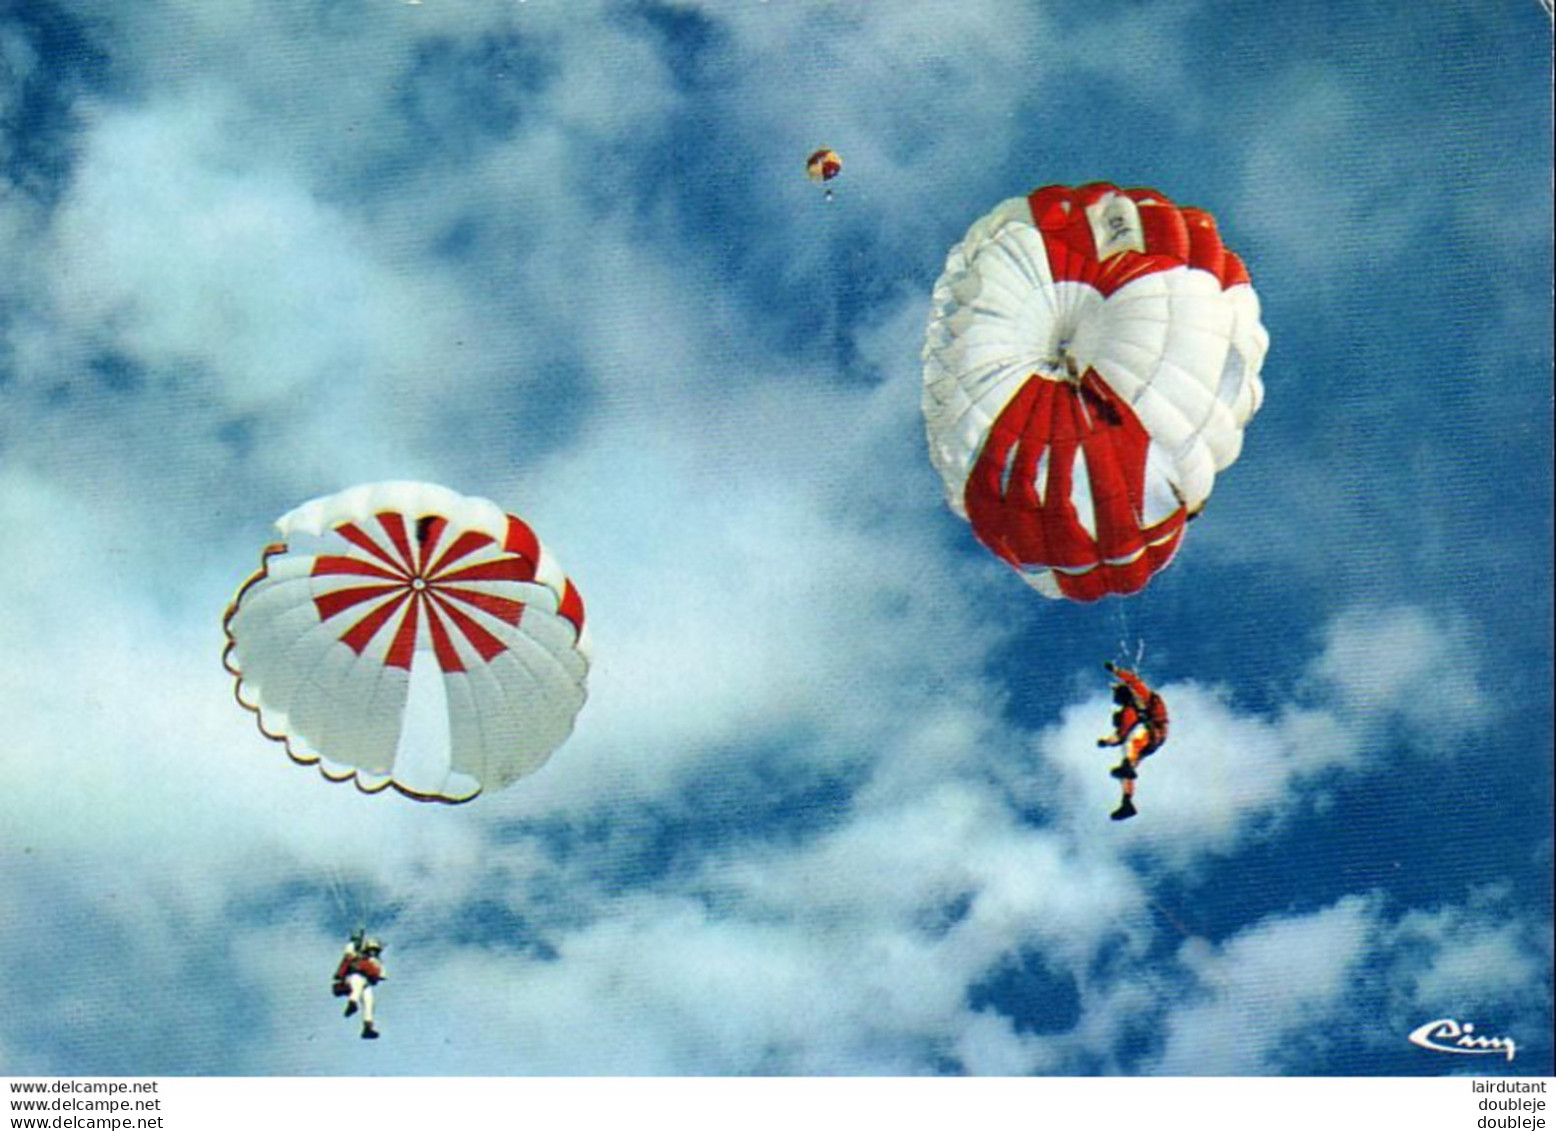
(848,946)
(1401,665)
(176,253)
(1221,774)
(1480,956)
(1386,680)
(767,561)
(1354,977)
(1314,165)
(1265,987)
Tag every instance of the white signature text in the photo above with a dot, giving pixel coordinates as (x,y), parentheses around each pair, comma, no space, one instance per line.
(1448,1035)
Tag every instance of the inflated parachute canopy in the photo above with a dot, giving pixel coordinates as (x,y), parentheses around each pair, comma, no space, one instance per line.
(823,165)
(404,636)
(1092,358)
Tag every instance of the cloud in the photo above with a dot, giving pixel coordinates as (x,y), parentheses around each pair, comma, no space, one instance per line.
(1484,955)
(813,819)
(1351,980)
(1403,665)
(1275,981)
(232,293)
(1303,174)
(229,266)
(912,844)
(1229,775)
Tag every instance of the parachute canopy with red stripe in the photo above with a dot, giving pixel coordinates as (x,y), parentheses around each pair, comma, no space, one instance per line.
(410,637)
(1092,359)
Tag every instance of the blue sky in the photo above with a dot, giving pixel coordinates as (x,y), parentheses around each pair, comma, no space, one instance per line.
(834,806)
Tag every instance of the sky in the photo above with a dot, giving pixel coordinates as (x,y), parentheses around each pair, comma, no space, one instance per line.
(834,806)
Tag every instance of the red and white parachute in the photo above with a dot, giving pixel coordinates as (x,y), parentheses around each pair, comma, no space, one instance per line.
(406,636)
(1092,358)
(823,165)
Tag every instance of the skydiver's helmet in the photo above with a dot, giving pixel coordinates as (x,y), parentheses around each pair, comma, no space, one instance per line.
(1122,695)
(372,946)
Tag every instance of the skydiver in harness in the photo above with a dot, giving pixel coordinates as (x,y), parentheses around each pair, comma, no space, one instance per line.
(1139,726)
(356,975)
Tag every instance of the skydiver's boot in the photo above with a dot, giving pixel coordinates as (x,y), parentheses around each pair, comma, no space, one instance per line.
(351,1007)
(1124,771)
(1125,810)
(368,1032)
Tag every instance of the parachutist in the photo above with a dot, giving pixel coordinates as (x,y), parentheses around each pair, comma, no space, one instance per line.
(358,972)
(1139,725)
(822,166)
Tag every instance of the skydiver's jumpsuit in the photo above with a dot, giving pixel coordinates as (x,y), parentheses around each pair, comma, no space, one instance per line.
(1139,725)
(357,974)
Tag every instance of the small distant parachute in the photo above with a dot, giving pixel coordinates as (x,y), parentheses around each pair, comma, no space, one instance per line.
(402,635)
(1092,358)
(823,165)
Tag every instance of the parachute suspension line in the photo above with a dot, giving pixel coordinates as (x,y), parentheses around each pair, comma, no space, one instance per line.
(1121,614)
(338,896)
(836,316)
(836,273)
(1130,651)
(1144,970)
(337,890)
(353,911)
(1171,918)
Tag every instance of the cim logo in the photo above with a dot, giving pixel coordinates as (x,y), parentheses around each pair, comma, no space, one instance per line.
(1448,1035)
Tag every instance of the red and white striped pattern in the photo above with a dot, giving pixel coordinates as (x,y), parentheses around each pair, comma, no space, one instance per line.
(393,587)
(1092,358)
